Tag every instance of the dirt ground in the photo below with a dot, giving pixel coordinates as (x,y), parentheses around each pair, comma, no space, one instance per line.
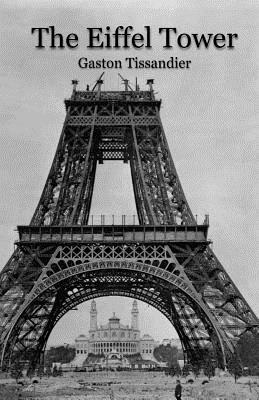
(129,386)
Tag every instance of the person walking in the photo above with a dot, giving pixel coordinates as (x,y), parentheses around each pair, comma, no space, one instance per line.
(111,394)
(178,390)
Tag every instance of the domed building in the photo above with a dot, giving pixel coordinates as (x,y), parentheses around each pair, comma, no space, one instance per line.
(114,337)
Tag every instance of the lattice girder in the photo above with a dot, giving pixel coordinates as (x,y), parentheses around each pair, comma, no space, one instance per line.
(97,268)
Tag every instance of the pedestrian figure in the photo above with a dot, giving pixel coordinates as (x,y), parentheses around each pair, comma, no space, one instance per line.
(111,394)
(178,390)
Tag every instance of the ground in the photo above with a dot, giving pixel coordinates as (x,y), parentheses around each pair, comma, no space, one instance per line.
(129,386)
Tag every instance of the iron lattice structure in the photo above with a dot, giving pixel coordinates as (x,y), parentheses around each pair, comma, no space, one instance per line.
(62,260)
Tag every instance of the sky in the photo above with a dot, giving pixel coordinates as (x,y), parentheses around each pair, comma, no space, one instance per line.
(208,113)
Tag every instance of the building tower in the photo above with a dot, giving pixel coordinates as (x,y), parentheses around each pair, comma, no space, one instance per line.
(93,316)
(62,258)
(135,316)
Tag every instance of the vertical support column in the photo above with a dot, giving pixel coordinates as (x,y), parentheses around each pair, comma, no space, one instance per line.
(82,205)
(143,203)
(187,217)
(46,196)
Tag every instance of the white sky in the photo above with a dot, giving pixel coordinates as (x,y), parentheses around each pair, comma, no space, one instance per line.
(208,113)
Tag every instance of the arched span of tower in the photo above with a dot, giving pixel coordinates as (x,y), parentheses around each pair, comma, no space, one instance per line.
(168,292)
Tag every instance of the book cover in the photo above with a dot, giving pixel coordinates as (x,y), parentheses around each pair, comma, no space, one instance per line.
(201,60)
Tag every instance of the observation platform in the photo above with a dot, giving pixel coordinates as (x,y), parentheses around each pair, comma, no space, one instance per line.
(112,96)
(112,233)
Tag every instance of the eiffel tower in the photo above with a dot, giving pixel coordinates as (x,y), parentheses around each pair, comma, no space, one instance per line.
(164,259)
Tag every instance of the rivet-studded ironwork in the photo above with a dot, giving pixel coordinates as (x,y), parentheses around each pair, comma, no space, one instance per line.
(62,260)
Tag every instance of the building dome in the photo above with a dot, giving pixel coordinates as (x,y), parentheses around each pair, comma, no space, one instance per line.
(81,338)
(114,318)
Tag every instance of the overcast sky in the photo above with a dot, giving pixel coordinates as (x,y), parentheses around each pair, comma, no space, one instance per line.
(208,113)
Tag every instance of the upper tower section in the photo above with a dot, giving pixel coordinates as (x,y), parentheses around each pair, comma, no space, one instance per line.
(113,125)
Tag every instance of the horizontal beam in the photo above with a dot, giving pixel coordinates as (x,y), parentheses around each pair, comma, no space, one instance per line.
(114,233)
(84,97)
(113,120)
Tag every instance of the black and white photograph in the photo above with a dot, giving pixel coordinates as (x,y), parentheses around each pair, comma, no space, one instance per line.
(128,207)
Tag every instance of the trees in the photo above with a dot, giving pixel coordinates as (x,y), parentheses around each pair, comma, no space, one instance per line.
(175,370)
(48,371)
(196,370)
(246,354)
(16,371)
(60,354)
(209,367)
(235,366)
(167,354)
(248,350)
(186,369)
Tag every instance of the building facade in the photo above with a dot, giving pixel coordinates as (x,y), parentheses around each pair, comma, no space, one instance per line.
(115,337)
(174,342)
